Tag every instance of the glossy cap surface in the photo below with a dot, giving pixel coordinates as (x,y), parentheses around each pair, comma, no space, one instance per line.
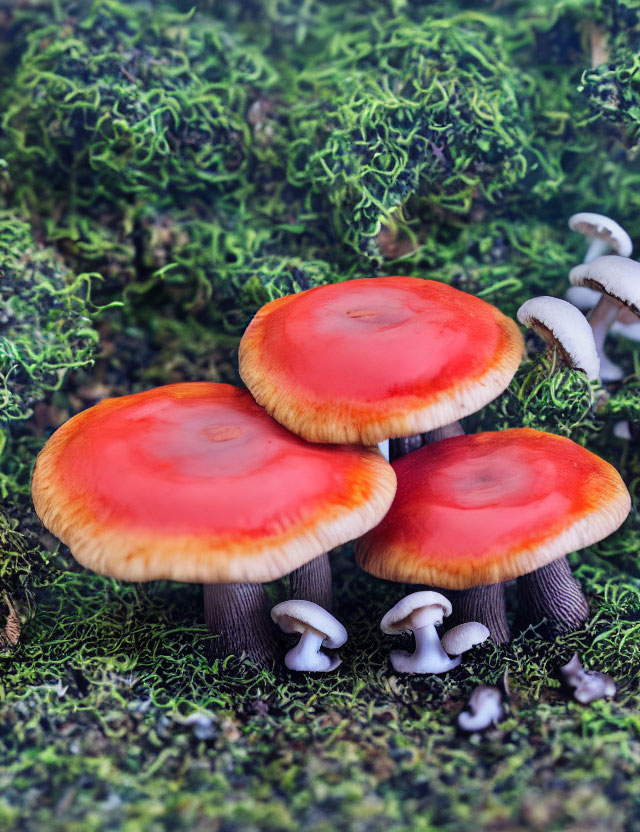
(485,508)
(366,360)
(195,482)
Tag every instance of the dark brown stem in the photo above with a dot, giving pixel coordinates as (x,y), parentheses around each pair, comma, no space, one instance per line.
(239,614)
(485,604)
(404,446)
(551,593)
(312,582)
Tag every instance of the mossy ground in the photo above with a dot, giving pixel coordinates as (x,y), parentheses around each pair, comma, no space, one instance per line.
(261,148)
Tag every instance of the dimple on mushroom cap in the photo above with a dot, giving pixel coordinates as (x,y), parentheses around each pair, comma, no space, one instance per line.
(396,619)
(561,324)
(488,507)
(365,360)
(598,225)
(195,482)
(459,639)
(615,276)
(309,615)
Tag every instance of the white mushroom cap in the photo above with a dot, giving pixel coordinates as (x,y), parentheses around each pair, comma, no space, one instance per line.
(435,605)
(582,297)
(561,324)
(615,276)
(604,228)
(463,637)
(298,616)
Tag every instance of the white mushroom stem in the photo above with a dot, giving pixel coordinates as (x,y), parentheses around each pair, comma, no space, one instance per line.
(316,627)
(601,319)
(485,709)
(307,655)
(429,655)
(597,247)
(383,447)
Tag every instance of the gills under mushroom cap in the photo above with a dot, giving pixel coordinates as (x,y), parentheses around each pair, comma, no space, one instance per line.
(603,228)
(618,277)
(365,360)
(195,482)
(561,325)
(488,507)
(296,616)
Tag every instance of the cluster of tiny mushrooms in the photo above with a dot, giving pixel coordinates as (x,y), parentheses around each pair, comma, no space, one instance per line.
(232,487)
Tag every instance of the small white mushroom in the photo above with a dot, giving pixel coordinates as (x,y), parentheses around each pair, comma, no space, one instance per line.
(420,613)
(573,673)
(564,329)
(618,280)
(459,639)
(596,686)
(603,234)
(317,628)
(485,706)
(589,685)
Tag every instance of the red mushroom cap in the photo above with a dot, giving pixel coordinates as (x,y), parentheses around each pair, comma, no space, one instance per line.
(365,360)
(484,508)
(195,482)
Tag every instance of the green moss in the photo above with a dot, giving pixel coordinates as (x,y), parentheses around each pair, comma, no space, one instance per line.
(204,163)
(124,103)
(45,325)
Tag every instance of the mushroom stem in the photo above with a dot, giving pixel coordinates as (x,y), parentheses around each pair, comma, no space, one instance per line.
(306,655)
(383,447)
(601,319)
(239,614)
(406,444)
(429,655)
(485,604)
(552,593)
(597,246)
(312,582)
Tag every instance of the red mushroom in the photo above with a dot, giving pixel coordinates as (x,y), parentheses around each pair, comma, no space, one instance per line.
(481,509)
(365,360)
(195,482)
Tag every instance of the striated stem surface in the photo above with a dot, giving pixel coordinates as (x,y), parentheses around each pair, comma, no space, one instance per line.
(401,447)
(551,593)
(239,614)
(312,582)
(485,604)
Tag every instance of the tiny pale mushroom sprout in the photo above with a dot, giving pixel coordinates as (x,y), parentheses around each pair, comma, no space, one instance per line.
(588,685)
(195,482)
(419,613)
(565,330)
(474,511)
(485,709)
(463,637)
(317,628)
(618,281)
